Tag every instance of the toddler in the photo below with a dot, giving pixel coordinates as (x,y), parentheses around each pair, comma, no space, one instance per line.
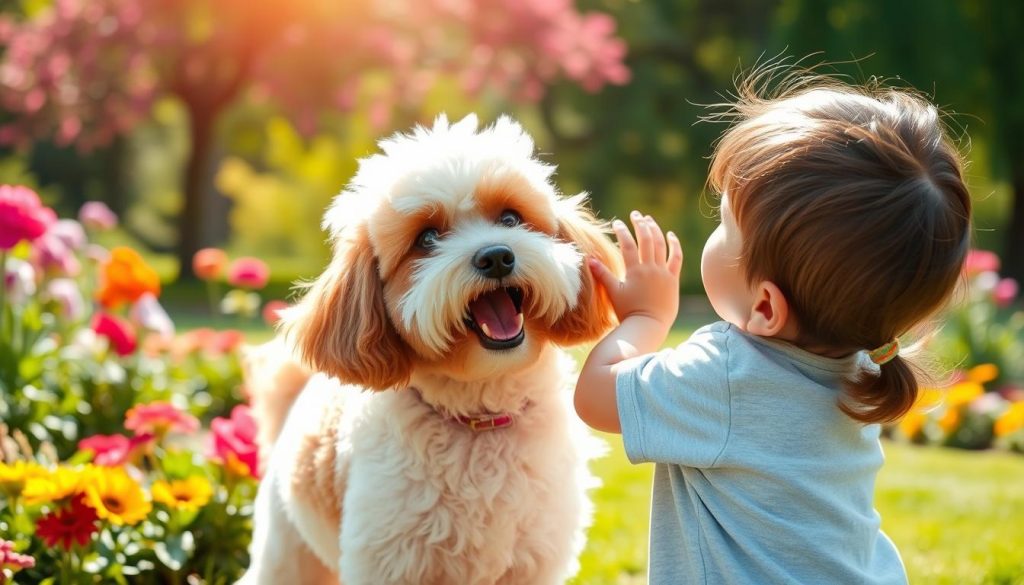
(844,224)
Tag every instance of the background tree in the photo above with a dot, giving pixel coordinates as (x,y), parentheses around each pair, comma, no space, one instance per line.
(87,71)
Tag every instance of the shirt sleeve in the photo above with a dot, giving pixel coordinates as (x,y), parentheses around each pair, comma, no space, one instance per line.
(675,405)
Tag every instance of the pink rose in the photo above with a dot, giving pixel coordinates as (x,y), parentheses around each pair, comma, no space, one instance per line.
(22,215)
(1005,292)
(250,273)
(119,333)
(235,437)
(113,450)
(96,215)
(53,256)
(979,261)
(159,418)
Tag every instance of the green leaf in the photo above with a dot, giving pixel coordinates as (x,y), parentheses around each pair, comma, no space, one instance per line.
(175,550)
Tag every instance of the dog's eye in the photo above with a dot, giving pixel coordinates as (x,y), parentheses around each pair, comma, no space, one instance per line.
(510,218)
(428,238)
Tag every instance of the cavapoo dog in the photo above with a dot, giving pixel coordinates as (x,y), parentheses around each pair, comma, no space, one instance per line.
(432,439)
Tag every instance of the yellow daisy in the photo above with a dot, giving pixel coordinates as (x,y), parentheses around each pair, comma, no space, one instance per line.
(14,476)
(963,393)
(983,373)
(183,494)
(58,484)
(117,497)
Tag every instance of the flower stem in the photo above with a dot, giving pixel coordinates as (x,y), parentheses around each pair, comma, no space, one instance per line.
(3,289)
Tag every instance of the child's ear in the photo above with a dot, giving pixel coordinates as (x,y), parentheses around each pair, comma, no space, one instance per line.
(769,313)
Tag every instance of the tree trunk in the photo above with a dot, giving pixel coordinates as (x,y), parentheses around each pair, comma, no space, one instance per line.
(190,228)
(1013,261)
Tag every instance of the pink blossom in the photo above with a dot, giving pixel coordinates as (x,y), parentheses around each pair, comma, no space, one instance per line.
(96,215)
(65,293)
(53,256)
(159,418)
(248,272)
(119,333)
(236,436)
(1005,292)
(19,280)
(979,261)
(22,215)
(69,232)
(114,450)
(12,560)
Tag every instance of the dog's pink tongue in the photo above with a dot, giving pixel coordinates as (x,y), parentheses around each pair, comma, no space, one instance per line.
(496,315)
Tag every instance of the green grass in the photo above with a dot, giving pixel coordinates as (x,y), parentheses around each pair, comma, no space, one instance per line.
(957,517)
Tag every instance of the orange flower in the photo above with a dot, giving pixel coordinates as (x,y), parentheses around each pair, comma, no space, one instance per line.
(1010,421)
(125,277)
(209,263)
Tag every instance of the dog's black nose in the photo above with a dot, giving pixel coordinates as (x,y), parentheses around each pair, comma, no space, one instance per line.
(494,261)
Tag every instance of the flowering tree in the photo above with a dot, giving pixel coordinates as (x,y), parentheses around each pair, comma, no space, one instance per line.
(85,71)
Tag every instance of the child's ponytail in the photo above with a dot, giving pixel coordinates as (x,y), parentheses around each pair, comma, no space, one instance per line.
(884,397)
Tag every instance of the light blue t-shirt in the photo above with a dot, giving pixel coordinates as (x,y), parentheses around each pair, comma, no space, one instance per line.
(760,478)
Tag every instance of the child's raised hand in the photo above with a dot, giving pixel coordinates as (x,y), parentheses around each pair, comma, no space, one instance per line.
(650,286)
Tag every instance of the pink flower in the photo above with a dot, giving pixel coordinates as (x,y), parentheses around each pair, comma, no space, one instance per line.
(69,232)
(65,294)
(979,261)
(12,560)
(235,438)
(272,311)
(248,272)
(22,215)
(53,256)
(19,280)
(159,418)
(114,450)
(96,215)
(118,333)
(1005,292)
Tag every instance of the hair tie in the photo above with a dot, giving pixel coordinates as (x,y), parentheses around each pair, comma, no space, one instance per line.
(886,353)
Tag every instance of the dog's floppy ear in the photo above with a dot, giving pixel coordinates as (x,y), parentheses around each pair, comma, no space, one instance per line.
(341,326)
(592,316)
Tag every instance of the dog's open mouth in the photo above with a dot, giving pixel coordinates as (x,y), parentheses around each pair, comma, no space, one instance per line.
(497,318)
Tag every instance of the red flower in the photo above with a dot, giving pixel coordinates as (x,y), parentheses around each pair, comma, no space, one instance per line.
(236,437)
(159,418)
(119,333)
(251,273)
(113,450)
(68,526)
(22,215)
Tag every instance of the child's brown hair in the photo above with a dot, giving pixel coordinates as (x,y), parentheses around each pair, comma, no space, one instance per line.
(852,201)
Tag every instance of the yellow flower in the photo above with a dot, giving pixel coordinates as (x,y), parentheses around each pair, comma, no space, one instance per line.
(58,484)
(1010,421)
(117,497)
(963,393)
(14,476)
(983,373)
(183,494)
(950,421)
(912,424)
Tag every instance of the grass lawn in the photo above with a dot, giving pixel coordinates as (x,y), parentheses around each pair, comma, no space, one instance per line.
(956,516)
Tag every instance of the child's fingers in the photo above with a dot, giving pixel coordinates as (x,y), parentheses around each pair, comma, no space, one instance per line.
(644,244)
(659,241)
(626,243)
(602,274)
(675,254)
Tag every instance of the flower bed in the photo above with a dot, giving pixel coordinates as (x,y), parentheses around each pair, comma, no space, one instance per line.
(126,452)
